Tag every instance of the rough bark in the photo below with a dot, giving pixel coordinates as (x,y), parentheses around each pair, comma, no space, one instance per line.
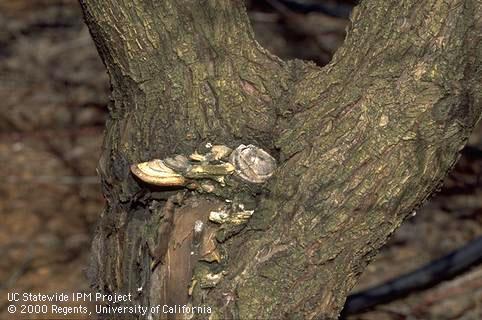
(360,144)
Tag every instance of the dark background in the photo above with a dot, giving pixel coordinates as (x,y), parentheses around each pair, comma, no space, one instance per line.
(53,96)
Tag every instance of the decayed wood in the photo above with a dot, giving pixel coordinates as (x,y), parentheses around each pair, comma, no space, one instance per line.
(359,143)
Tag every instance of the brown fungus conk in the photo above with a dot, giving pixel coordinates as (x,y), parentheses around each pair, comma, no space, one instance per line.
(156,172)
(252,164)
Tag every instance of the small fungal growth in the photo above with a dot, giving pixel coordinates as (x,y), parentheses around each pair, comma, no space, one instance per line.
(234,218)
(252,164)
(218,216)
(220,152)
(211,280)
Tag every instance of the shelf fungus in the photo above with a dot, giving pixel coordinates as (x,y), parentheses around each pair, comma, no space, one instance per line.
(252,164)
(156,172)
(249,163)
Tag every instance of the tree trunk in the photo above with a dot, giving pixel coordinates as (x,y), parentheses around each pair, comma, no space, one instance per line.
(359,144)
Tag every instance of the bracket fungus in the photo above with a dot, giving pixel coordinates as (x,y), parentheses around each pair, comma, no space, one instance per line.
(250,163)
(156,172)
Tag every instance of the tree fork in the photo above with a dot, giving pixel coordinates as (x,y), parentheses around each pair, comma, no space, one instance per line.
(359,144)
